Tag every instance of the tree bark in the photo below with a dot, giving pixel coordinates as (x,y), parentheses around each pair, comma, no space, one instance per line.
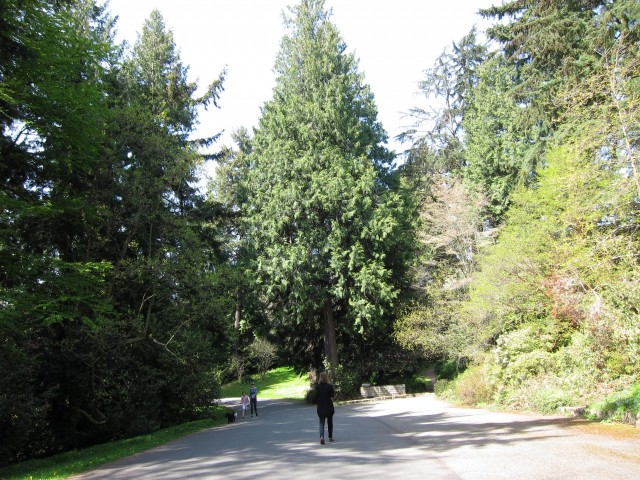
(236,321)
(330,348)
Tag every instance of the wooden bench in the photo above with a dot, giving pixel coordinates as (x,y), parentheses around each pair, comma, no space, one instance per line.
(369,391)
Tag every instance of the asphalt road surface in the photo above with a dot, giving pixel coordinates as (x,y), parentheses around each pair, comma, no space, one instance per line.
(408,438)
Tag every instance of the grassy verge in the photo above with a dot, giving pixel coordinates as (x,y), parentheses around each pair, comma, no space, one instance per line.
(278,383)
(78,461)
(281,382)
(622,407)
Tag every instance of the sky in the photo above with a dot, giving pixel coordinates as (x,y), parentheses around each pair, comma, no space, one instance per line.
(394,40)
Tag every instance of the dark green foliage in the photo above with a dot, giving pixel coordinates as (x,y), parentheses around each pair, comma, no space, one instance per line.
(311,396)
(544,34)
(502,148)
(448,370)
(80,461)
(326,221)
(52,290)
(112,312)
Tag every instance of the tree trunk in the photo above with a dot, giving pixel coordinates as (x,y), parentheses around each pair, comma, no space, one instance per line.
(330,348)
(236,321)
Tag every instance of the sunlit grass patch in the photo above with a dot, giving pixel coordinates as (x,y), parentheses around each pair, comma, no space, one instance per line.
(280,382)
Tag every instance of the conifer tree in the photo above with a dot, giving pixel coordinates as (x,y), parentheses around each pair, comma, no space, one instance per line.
(324,215)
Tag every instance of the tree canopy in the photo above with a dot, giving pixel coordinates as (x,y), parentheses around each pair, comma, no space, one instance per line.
(323,214)
(503,243)
(549,137)
(104,242)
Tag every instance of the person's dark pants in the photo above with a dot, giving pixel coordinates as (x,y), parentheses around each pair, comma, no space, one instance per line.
(329,425)
(254,406)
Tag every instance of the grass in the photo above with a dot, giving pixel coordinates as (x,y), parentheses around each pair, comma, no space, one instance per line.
(620,407)
(281,382)
(78,461)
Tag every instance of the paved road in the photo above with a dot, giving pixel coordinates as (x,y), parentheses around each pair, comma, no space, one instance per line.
(409,438)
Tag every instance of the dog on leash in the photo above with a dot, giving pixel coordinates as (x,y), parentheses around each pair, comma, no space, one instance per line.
(231,417)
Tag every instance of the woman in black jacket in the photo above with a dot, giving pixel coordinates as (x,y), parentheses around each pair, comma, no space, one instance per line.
(325,406)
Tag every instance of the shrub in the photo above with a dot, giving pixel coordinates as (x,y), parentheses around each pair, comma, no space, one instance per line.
(618,363)
(264,354)
(449,369)
(620,407)
(347,382)
(388,365)
(473,386)
(443,389)
(311,396)
(417,385)
(549,400)
(527,365)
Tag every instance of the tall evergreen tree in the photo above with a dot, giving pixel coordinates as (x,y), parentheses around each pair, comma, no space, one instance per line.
(53,113)
(164,247)
(501,147)
(555,297)
(106,255)
(230,192)
(324,216)
(437,134)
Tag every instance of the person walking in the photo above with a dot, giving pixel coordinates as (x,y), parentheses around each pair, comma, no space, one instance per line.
(325,407)
(253,398)
(244,401)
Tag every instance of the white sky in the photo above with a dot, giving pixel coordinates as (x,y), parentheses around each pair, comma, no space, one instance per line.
(395,41)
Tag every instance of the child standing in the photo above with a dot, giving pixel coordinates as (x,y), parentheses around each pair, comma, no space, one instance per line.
(245,404)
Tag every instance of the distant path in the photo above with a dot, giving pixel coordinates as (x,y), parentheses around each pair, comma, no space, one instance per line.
(410,438)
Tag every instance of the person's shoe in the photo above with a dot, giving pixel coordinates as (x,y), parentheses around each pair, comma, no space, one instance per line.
(331,439)
(321,441)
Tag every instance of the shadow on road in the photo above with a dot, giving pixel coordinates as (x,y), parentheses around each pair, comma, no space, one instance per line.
(403,438)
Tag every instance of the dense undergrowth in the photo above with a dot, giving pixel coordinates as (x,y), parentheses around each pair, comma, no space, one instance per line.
(77,461)
(280,382)
(573,393)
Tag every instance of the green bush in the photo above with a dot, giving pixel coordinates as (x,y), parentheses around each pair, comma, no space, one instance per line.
(443,389)
(527,365)
(524,353)
(620,407)
(78,461)
(347,382)
(389,365)
(417,384)
(549,400)
(449,369)
(543,379)
(473,386)
(618,363)
(311,396)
